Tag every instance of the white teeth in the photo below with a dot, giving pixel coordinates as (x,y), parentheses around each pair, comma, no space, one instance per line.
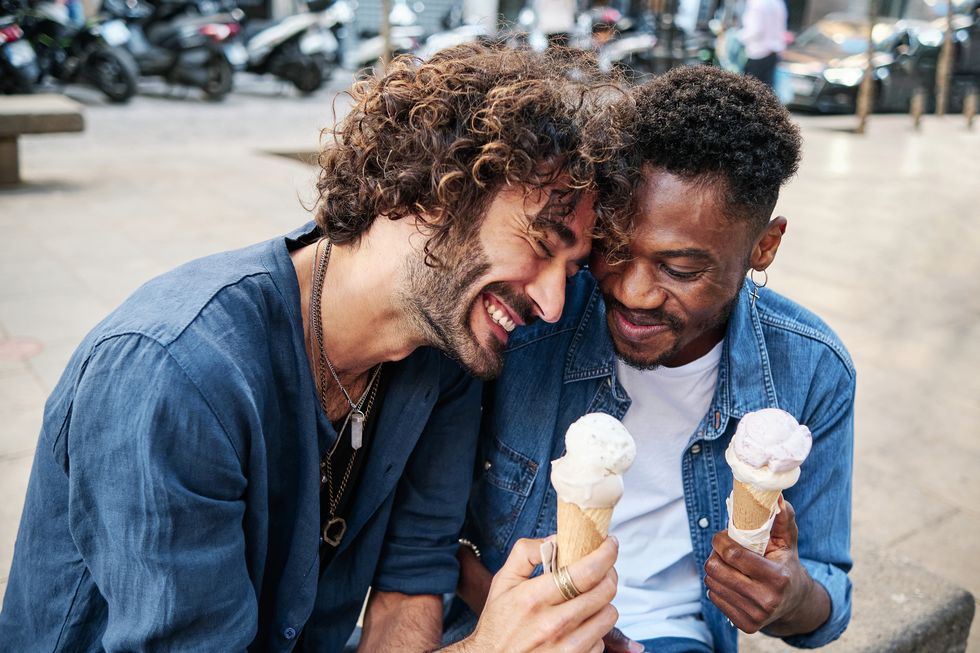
(498,316)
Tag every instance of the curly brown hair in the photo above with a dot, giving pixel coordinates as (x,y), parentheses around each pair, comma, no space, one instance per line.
(437,139)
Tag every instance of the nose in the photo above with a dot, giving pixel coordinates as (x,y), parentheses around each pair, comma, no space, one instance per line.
(638,287)
(548,293)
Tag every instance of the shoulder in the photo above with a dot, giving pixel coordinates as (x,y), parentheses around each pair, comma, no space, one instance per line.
(803,333)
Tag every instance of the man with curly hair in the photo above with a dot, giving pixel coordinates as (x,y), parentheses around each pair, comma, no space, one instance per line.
(235,454)
(665,333)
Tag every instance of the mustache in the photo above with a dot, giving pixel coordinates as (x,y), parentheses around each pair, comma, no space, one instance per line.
(644,317)
(520,304)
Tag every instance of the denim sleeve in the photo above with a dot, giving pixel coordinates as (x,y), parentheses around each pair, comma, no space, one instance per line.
(156,504)
(419,552)
(823,504)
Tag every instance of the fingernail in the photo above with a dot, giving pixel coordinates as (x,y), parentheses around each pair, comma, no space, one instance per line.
(636,647)
(614,539)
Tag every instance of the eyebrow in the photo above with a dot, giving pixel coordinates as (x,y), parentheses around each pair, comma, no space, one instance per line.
(689,252)
(560,229)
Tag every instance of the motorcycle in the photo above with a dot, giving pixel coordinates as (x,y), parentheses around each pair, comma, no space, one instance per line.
(301,49)
(173,41)
(94,53)
(18,63)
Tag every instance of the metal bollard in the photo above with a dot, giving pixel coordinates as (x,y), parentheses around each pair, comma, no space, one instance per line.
(917,106)
(970,106)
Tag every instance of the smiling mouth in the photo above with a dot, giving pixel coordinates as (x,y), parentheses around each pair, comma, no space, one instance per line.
(498,313)
(636,331)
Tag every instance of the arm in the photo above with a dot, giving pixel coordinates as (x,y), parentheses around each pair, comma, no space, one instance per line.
(155,505)
(810,547)
(401,622)
(418,560)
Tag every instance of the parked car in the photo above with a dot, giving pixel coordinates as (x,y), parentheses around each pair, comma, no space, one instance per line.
(822,70)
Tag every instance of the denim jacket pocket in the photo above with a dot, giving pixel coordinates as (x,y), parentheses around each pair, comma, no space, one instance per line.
(501,491)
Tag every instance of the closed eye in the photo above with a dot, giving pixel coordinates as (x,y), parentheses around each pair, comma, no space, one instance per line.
(681,275)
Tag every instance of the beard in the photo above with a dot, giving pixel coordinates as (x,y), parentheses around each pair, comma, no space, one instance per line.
(683,332)
(439,301)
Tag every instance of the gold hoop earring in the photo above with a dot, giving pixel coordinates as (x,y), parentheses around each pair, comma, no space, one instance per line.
(756,284)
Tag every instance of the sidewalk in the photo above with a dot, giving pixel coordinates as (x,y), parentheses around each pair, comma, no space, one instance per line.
(882,241)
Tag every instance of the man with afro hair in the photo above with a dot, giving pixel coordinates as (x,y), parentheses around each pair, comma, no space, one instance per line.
(668,333)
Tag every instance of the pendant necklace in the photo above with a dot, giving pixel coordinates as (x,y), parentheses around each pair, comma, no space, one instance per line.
(335,526)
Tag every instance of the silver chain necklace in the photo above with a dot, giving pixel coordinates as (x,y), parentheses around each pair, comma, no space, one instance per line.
(356,414)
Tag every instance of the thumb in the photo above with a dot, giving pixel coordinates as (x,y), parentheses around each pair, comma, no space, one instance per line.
(520,564)
(784,533)
(616,642)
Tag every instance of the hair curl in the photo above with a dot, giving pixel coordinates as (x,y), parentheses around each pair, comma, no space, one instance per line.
(705,124)
(436,139)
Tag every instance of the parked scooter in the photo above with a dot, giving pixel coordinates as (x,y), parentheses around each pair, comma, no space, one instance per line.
(301,49)
(173,41)
(94,53)
(18,63)
(455,32)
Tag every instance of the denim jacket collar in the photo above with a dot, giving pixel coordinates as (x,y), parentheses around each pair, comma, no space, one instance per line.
(744,358)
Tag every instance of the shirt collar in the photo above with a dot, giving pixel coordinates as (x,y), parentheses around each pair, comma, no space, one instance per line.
(745,379)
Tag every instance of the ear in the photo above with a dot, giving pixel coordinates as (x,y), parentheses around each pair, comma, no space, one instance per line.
(764,249)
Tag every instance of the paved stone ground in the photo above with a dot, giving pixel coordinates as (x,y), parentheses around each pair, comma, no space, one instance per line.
(882,243)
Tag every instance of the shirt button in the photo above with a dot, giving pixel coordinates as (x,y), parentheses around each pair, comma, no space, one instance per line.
(703,522)
(696,449)
(487,465)
(289,633)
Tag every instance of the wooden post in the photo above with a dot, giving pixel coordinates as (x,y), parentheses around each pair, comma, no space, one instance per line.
(385,34)
(866,92)
(970,106)
(917,106)
(944,69)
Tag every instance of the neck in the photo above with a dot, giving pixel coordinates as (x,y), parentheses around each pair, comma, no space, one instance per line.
(362,322)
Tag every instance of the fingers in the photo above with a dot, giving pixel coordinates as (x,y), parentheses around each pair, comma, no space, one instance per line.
(734,555)
(520,564)
(749,602)
(784,533)
(616,642)
(588,635)
(739,618)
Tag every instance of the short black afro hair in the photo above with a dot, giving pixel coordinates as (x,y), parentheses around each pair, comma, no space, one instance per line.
(705,123)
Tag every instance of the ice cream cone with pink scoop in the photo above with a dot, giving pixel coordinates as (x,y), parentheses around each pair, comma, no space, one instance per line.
(765,455)
(588,481)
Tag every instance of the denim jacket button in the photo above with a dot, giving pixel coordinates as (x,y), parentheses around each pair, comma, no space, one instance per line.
(289,633)
(703,522)
(696,449)
(487,465)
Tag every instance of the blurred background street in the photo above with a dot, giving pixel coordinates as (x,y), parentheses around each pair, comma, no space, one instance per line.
(882,239)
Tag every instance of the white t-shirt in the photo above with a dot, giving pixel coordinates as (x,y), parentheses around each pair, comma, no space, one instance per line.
(659,586)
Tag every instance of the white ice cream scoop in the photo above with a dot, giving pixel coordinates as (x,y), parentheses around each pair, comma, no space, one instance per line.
(598,450)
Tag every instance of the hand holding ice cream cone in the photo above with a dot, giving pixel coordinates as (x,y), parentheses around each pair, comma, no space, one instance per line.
(765,455)
(588,481)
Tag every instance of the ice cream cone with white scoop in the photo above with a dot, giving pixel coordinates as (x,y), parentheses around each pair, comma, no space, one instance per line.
(588,480)
(765,455)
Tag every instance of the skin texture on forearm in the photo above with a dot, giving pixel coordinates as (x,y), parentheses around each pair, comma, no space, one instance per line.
(474,580)
(401,622)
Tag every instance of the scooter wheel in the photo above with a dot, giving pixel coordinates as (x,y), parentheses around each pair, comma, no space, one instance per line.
(114,72)
(308,78)
(220,78)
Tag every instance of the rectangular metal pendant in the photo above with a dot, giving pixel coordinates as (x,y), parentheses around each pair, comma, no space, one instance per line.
(356,430)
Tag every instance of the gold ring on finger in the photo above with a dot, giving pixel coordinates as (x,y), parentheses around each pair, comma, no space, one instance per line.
(565,585)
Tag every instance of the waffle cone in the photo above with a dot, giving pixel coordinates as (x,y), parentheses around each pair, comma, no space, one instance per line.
(751,506)
(580,530)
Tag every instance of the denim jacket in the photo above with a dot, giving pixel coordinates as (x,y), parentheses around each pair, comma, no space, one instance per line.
(775,354)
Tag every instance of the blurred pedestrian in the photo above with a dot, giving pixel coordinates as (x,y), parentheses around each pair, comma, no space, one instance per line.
(763,35)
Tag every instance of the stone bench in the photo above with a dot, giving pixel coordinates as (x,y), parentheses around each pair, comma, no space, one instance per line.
(897,608)
(32,114)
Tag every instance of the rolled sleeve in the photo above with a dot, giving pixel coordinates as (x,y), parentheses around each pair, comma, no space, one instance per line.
(419,552)
(156,505)
(823,505)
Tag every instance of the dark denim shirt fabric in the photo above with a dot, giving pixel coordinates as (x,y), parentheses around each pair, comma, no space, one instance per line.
(775,354)
(174,499)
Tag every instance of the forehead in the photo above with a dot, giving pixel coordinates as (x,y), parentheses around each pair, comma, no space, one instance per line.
(558,210)
(672,212)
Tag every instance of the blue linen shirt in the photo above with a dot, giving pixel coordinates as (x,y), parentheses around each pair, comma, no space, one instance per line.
(174,502)
(775,354)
